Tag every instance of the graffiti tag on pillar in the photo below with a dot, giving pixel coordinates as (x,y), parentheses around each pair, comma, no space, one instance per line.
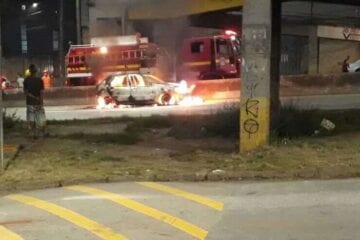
(252,107)
(259,41)
(251,126)
(251,89)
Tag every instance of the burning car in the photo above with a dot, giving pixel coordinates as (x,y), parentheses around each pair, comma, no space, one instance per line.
(354,67)
(140,89)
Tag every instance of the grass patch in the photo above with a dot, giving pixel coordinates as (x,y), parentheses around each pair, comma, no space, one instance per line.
(187,152)
(89,121)
(120,138)
(10,121)
(294,123)
(291,123)
(222,124)
(69,161)
(141,122)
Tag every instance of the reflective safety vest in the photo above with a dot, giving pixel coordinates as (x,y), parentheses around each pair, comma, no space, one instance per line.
(47,81)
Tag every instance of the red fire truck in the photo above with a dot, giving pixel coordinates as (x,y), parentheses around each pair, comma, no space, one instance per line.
(214,57)
(87,64)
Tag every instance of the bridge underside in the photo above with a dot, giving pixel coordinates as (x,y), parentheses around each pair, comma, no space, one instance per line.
(150,10)
(145,9)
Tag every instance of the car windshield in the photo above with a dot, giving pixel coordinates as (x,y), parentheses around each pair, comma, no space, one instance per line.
(119,81)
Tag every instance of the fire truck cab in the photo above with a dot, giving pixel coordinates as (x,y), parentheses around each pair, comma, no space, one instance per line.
(214,57)
(88,64)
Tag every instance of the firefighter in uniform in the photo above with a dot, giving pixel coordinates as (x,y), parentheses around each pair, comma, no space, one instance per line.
(46,79)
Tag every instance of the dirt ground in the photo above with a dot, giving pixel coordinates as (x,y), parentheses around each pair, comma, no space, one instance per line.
(78,153)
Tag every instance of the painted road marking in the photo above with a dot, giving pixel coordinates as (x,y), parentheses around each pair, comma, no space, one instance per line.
(73,217)
(184,194)
(6,234)
(178,223)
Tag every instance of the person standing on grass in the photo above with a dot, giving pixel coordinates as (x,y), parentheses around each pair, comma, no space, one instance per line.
(35,113)
(345,65)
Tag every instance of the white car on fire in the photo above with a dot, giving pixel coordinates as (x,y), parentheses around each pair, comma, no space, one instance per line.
(354,67)
(140,89)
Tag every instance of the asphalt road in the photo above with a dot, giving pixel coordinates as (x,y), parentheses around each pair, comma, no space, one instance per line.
(308,210)
(89,112)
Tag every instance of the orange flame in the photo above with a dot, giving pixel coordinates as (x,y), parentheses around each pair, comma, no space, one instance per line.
(184,89)
(103,105)
(191,101)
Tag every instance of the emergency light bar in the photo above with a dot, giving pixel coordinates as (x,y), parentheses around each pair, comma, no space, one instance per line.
(230,33)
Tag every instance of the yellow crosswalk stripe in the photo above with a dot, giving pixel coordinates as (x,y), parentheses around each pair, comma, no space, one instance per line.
(6,234)
(178,223)
(71,216)
(184,194)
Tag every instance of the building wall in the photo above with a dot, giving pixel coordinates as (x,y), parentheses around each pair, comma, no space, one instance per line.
(333,47)
(107,17)
(333,52)
(13,65)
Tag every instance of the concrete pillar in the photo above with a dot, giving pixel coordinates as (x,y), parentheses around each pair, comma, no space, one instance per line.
(124,18)
(260,71)
(84,20)
(78,22)
(61,79)
(313,50)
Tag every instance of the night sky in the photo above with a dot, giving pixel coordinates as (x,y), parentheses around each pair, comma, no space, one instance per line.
(40,21)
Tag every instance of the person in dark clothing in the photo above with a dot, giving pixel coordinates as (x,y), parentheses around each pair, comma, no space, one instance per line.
(345,65)
(35,113)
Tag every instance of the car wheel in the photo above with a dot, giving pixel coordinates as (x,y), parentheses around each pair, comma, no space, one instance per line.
(357,70)
(164,99)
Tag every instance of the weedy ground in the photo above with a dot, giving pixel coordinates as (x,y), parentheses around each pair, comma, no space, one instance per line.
(181,148)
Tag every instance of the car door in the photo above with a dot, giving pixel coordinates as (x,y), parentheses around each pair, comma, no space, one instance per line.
(141,89)
(120,88)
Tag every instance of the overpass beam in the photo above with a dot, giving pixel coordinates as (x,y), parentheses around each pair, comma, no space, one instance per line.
(260,71)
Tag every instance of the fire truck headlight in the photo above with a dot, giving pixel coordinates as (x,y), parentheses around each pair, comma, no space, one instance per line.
(103,50)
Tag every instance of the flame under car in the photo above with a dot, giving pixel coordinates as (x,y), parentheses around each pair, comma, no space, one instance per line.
(140,89)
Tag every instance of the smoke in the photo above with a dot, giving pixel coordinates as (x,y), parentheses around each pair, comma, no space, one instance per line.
(168,35)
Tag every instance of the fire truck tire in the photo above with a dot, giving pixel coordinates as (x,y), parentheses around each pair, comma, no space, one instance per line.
(164,99)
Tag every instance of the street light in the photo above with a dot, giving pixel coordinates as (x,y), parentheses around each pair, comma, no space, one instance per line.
(35,5)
